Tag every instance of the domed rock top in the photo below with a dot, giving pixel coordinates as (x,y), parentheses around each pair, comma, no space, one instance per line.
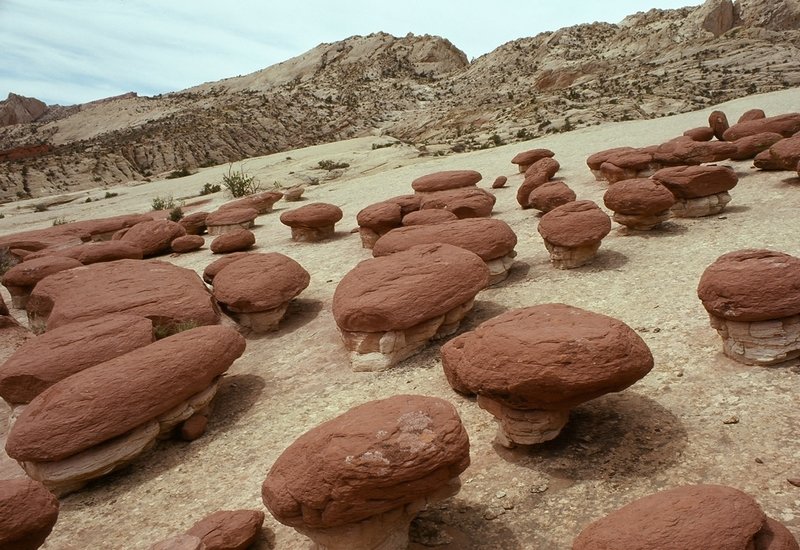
(640,203)
(312,222)
(28,512)
(573,232)
(446,180)
(230,219)
(524,159)
(153,237)
(428,217)
(23,277)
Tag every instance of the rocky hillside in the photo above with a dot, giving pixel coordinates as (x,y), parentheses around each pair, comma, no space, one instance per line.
(420,89)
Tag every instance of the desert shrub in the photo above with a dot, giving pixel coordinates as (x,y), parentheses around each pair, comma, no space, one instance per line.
(110,195)
(239,184)
(40,207)
(61,220)
(162,331)
(163,203)
(176,214)
(88,199)
(182,173)
(331,165)
(383,145)
(209,188)
(7,260)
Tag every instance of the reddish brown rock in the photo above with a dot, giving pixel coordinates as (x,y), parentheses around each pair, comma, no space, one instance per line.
(195,223)
(699,190)
(22,278)
(786,152)
(527,158)
(640,203)
(712,517)
(464,203)
(346,487)
(42,361)
(500,181)
(194,427)
(428,217)
(573,232)
(718,123)
(260,202)
(94,252)
(230,219)
(235,240)
(28,512)
(785,125)
(187,243)
(257,289)
(528,186)
(216,266)
(293,193)
(376,220)
(312,222)
(153,237)
(749,146)
(543,359)
(408,203)
(546,167)
(596,160)
(388,308)
(446,180)
(684,151)
(765,161)
(165,293)
(752,114)
(229,529)
(703,133)
(550,195)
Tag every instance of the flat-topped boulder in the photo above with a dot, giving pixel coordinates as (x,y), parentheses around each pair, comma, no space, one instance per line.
(236,240)
(549,195)
(428,217)
(625,163)
(596,160)
(750,146)
(446,180)
(100,418)
(153,237)
(524,159)
(28,512)
(699,190)
(640,203)
(216,266)
(685,151)
(464,203)
(752,297)
(572,233)
(376,220)
(313,222)
(194,223)
(387,308)
(786,125)
(93,252)
(164,293)
(752,114)
(256,289)
(492,240)
(230,219)
(47,359)
(358,480)
(228,529)
(261,202)
(23,277)
(187,243)
(702,133)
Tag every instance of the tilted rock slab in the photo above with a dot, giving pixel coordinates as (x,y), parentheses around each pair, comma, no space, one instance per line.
(23,277)
(153,237)
(446,180)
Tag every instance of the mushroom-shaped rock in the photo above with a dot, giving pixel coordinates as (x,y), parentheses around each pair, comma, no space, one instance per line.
(235,240)
(699,190)
(526,158)
(195,223)
(312,222)
(42,361)
(703,133)
(752,114)
(358,480)
(23,277)
(753,300)
(628,164)
(256,289)
(573,232)
(499,182)
(101,418)
(260,202)
(750,146)
(718,122)
(786,125)
(153,237)
(187,243)
(640,203)
(376,220)
(216,266)
(712,517)
(530,366)
(596,160)
(230,219)
(492,240)
(388,308)
(165,293)
(446,180)
(546,167)
(28,512)
(550,195)
(428,217)
(228,529)
(293,193)
(464,203)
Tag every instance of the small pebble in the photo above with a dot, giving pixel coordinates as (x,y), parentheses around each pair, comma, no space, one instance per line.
(759,461)
(493,513)
(732,420)
(538,488)
(500,494)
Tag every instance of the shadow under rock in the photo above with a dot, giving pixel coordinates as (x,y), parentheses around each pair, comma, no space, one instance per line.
(733,209)
(622,434)
(300,312)
(518,272)
(791,181)
(458,525)
(662,231)
(605,259)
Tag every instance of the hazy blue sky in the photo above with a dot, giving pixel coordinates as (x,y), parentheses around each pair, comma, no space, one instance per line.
(72,51)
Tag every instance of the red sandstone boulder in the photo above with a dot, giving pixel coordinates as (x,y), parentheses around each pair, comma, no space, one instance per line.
(785,125)
(572,233)
(236,240)
(718,123)
(428,217)
(689,182)
(639,204)
(526,158)
(377,219)
(187,243)
(446,180)
(684,151)
(195,223)
(752,114)
(786,152)
(228,529)
(765,161)
(230,219)
(261,202)
(499,182)
(749,146)
(47,359)
(216,266)
(703,133)
(464,203)
(28,512)
(94,252)
(312,222)
(153,237)
(596,160)
(23,277)
(550,195)
(408,203)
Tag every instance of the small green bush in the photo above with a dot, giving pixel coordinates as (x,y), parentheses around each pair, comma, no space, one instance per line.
(7,260)
(182,173)
(88,199)
(331,165)
(40,207)
(162,331)
(176,214)
(163,203)
(239,184)
(209,188)
(110,195)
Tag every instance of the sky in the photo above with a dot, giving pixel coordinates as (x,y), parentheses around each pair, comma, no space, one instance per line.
(73,51)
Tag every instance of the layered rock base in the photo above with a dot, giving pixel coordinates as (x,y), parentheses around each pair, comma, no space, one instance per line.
(640,223)
(499,268)
(703,206)
(523,427)
(563,257)
(759,342)
(312,234)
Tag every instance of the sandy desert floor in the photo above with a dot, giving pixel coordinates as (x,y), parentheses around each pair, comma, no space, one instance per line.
(698,417)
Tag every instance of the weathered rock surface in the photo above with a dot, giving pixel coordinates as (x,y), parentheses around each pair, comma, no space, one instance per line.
(235,240)
(464,203)
(260,202)
(377,219)
(446,180)
(427,217)
(786,125)
(28,512)
(718,122)
(573,232)
(153,237)
(749,146)
(499,182)
(230,219)
(549,195)
(524,159)
(228,529)
(187,243)
(194,223)
(640,203)
(312,222)
(23,277)
(216,266)
(702,133)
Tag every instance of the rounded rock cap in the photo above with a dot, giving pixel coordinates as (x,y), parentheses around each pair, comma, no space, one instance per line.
(532,155)
(259,282)
(373,458)
(690,182)
(577,223)
(28,512)
(233,241)
(380,215)
(639,196)
(445,180)
(318,214)
(231,216)
(29,273)
(428,217)
(548,357)
(751,285)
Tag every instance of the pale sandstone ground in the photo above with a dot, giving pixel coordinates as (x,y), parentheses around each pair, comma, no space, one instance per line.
(668,429)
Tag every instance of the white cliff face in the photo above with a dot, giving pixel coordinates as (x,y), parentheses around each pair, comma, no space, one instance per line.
(780,15)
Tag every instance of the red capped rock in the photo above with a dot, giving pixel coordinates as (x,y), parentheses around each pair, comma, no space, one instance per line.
(28,512)
(550,195)
(752,114)
(94,252)
(765,161)
(786,125)
(713,517)
(684,151)
(526,158)
(216,266)
(388,308)
(718,123)
(257,289)
(187,243)
(312,222)
(23,277)
(229,529)
(703,133)
(261,202)
(428,217)
(376,220)
(446,180)
(596,160)
(42,361)
(464,203)
(153,237)
(408,203)
(492,240)
(100,418)
(573,232)
(230,219)
(165,293)
(699,190)
(194,223)
(786,152)
(235,240)
(640,203)
(749,146)
(358,480)
(499,182)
